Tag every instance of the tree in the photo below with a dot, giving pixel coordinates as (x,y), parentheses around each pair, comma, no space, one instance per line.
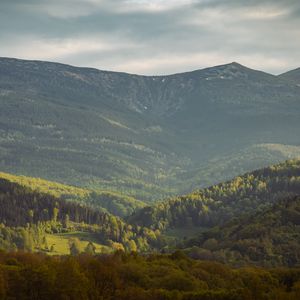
(74,245)
(30,215)
(66,222)
(131,246)
(55,214)
(90,249)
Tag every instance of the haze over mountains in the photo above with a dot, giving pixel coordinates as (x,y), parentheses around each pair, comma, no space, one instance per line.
(146,136)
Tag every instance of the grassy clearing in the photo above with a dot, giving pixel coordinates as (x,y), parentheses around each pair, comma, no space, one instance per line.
(60,242)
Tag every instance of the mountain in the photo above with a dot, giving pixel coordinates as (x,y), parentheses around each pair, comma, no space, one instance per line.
(270,237)
(216,205)
(293,76)
(144,136)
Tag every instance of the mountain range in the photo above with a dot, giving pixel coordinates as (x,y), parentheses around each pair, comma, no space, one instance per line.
(144,136)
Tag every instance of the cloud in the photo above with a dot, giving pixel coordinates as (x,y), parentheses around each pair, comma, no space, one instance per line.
(153,37)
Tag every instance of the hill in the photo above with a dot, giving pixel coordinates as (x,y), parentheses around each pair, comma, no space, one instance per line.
(270,237)
(117,204)
(216,205)
(293,76)
(143,136)
(27,218)
(252,219)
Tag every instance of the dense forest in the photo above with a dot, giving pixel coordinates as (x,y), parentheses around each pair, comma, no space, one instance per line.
(215,205)
(27,215)
(133,277)
(252,219)
(268,238)
(115,203)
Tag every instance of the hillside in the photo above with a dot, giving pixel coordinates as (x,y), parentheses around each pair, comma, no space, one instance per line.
(117,204)
(252,219)
(270,237)
(27,218)
(216,205)
(143,136)
(293,76)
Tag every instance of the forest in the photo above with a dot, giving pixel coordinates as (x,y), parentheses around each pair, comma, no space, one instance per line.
(27,216)
(226,222)
(134,277)
(268,238)
(241,242)
(208,207)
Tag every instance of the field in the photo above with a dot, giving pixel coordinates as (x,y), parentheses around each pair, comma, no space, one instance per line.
(60,242)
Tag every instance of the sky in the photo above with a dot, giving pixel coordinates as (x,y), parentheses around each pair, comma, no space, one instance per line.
(153,37)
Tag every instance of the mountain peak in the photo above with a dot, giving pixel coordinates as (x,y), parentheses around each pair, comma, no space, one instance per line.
(236,64)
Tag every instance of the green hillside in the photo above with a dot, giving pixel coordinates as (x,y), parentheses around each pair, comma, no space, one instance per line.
(217,204)
(252,219)
(117,204)
(270,237)
(28,217)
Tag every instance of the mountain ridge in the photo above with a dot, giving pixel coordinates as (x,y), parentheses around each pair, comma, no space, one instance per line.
(136,134)
(233,63)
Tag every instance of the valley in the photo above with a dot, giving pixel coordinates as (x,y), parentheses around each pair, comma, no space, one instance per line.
(180,187)
(51,218)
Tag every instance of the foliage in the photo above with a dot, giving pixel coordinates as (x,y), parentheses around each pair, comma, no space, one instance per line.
(22,207)
(217,204)
(269,238)
(132,277)
(117,204)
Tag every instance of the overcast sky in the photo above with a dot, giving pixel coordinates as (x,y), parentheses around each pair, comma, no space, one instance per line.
(153,36)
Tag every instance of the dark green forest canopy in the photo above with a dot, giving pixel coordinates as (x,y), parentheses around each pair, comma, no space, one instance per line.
(133,277)
(270,237)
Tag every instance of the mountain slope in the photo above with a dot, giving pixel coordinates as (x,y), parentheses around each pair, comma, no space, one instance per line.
(27,217)
(144,136)
(116,204)
(214,206)
(293,76)
(270,237)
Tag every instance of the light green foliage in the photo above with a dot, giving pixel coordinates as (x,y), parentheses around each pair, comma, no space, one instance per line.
(62,247)
(115,203)
(219,203)
(74,246)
